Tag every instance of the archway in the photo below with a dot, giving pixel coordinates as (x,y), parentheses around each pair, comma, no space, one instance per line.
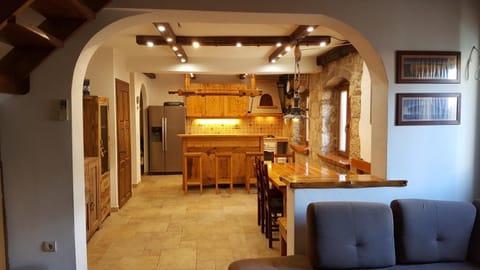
(365,49)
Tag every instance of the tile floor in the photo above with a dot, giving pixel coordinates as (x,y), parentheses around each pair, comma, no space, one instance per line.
(161,228)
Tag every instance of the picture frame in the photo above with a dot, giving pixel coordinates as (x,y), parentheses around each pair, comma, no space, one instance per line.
(428,109)
(427,67)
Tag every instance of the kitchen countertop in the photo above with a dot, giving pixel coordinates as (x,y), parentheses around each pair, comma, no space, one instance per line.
(340,181)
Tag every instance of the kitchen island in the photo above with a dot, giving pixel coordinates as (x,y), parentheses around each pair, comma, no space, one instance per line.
(209,145)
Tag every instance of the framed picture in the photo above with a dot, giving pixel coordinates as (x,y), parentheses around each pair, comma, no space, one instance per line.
(427,67)
(428,109)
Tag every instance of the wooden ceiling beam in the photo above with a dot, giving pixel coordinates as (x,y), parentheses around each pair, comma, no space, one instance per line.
(169,37)
(230,40)
(296,37)
(335,54)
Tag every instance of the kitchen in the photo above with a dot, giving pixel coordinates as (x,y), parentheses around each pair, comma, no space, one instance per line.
(271,106)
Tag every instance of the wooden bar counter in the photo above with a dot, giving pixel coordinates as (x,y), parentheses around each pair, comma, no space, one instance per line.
(208,145)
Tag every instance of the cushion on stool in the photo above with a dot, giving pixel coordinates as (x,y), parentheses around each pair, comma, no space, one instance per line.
(344,235)
(429,231)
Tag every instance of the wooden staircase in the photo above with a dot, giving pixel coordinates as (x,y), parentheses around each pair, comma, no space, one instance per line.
(32,44)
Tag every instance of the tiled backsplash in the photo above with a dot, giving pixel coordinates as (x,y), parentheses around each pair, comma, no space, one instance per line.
(271,125)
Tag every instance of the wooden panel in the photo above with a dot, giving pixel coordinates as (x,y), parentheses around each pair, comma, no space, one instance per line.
(92,175)
(214,106)
(91,124)
(195,106)
(235,106)
(123,135)
(104,196)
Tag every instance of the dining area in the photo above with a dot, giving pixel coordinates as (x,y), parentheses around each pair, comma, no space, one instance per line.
(281,181)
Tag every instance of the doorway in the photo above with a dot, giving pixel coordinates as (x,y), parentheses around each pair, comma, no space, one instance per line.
(123,135)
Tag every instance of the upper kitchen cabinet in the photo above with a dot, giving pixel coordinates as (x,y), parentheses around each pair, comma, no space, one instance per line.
(216,105)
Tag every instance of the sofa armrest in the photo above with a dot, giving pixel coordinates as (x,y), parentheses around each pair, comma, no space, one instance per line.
(474,249)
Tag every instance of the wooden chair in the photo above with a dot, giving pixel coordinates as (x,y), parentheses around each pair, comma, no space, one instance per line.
(289,157)
(260,199)
(250,167)
(273,207)
(360,166)
(195,157)
(228,179)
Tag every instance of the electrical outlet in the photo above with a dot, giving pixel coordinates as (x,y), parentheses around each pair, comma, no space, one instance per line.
(49,246)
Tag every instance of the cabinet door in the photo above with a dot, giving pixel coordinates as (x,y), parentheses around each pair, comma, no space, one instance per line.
(235,106)
(195,106)
(92,174)
(214,106)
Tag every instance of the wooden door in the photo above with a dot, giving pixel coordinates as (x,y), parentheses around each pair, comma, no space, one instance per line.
(123,142)
(92,174)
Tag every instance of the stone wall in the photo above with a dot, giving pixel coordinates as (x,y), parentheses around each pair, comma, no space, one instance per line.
(323,108)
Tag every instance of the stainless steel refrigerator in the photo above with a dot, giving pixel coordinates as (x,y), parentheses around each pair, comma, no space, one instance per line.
(165,147)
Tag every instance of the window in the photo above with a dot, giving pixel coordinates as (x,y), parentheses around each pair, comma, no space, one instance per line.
(343,121)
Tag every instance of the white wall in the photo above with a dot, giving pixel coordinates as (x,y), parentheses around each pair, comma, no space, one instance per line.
(159,87)
(43,157)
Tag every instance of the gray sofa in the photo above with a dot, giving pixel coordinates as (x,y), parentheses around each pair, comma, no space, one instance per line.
(410,234)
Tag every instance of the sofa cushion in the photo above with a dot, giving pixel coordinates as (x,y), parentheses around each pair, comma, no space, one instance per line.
(428,231)
(294,262)
(344,235)
(434,266)
(474,250)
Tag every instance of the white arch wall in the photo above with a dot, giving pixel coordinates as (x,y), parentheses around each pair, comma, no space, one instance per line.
(42,169)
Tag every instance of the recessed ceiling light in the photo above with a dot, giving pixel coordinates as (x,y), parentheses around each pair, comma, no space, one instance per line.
(239,44)
(323,44)
(179,55)
(150,43)
(174,48)
(195,44)
(310,29)
(161,28)
(280,55)
(288,48)
(169,39)
(273,61)
(279,44)
(183,60)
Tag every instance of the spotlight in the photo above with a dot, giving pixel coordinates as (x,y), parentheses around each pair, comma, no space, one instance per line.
(150,44)
(196,44)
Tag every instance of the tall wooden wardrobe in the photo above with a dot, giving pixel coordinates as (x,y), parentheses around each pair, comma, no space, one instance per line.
(97,166)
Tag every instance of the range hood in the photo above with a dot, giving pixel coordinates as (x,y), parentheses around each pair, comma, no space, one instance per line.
(268,103)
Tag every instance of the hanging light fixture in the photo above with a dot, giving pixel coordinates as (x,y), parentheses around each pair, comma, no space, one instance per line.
(295,111)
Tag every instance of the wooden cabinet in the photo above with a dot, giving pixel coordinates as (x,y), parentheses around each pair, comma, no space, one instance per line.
(92,175)
(235,106)
(95,139)
(216,105)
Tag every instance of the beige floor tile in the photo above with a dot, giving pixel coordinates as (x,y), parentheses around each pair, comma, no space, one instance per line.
(162,228)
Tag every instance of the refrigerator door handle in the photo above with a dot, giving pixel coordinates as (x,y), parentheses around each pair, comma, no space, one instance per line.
(166,134)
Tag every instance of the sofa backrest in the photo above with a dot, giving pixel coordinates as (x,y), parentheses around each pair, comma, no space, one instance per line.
(428,231)
(343,235)
(474,249)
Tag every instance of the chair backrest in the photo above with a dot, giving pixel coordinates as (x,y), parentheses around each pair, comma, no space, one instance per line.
(289,157)
(344,235)
(360,166)
(258,173)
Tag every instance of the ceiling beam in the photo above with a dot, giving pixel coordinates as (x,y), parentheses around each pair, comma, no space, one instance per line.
(27,36)
(230,40)
(150,75)
(295,37)
(335,54)
(169,37)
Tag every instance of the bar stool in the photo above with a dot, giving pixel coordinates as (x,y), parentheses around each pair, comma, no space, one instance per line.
(193,181)
(250,167)
(227,156)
